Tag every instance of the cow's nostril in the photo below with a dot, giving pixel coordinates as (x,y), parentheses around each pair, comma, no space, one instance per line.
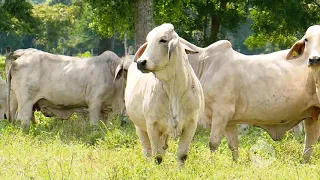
(141,64)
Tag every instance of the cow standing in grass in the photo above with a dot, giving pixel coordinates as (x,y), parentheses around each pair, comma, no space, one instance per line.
(59,85)
(163,95)
(309,46)
(260,90)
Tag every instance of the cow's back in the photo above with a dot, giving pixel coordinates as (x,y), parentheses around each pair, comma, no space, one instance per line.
(64,81)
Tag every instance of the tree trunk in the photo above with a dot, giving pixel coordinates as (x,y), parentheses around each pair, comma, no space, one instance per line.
(216,22)
(215,29)
(106,44)
(205,24)
(143,21)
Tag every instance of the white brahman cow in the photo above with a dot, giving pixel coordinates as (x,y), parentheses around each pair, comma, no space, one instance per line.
(59,85)
(309,47)
(261,90)
(163,96)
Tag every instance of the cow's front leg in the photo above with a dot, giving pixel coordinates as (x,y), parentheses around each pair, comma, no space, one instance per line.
(185,140)
(145,142)
(311,128)
(231,133)
(94,111)
(156,145)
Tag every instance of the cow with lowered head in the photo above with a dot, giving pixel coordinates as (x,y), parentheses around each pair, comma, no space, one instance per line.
(59,85)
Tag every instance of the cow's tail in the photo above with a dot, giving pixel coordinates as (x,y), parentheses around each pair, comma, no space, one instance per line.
(8,94)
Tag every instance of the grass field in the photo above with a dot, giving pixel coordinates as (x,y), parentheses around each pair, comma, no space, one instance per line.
(70,149)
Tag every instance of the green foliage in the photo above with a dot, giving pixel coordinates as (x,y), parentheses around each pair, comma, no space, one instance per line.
(63,29)
(84,55)
(110,17)
(16,16)
(2,67)
(279,22)
(56,22)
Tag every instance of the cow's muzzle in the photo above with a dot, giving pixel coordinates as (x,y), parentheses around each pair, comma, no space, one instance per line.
(315,60)
(142,66)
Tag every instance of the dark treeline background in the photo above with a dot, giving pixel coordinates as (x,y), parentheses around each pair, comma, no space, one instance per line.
(74,27)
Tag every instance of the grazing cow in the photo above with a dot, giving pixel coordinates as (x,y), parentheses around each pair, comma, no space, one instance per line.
(260,90)
(59,85)
(163,95)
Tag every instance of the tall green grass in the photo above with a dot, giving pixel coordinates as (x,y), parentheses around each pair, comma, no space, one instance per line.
(70,149)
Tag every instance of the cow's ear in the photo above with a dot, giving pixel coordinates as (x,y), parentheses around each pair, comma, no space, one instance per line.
(188,50)
(140,52)
(118,72)
(173,43)
(296,50)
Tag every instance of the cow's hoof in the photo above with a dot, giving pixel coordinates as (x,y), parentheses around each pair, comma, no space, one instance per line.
(183,158)
(165,147)
(94,125)
(158,159)
(213,147)
(305,160)
(25,129)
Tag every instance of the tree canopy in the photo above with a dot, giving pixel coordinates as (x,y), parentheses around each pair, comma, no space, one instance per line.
(16,16)
(76,26)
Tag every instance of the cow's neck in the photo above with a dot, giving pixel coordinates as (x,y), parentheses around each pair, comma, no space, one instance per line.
(176,80)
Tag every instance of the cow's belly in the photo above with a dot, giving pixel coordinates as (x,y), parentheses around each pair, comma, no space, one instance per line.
(74,97)
(275,107)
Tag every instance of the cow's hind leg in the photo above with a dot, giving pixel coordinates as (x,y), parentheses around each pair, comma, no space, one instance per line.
(311,128)
(231,133)
(164,141)
(13,107)
(218,126)
(185,140)
(25,114)
(156,145)
(145,142)
(2,112)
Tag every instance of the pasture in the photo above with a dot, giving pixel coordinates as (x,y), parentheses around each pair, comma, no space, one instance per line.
(70,149)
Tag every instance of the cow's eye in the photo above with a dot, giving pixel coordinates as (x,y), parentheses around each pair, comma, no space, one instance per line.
(305,40)
(163,41)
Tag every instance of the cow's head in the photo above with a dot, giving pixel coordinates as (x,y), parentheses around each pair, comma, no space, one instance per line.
(155,54)
(309,44)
